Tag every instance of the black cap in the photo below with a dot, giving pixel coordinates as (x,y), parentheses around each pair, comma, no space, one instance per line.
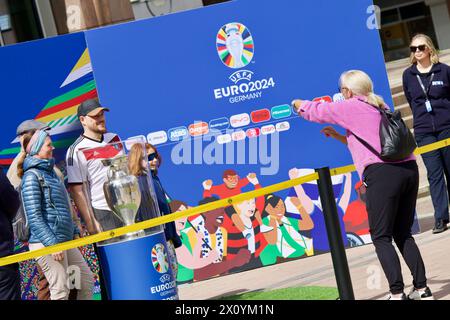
(88,106)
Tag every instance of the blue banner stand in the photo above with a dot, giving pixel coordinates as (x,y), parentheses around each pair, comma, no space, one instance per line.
(138,269)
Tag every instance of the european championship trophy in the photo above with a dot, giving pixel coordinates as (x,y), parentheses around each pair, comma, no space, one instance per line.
(135,266)
(122,192)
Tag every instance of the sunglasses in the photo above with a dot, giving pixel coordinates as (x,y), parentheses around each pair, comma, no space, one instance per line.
(152,156)
(422,47)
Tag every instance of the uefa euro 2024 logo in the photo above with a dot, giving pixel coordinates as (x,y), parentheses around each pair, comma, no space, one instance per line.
(235,45)
(159,258)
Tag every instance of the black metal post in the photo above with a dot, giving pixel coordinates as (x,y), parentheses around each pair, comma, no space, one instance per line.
(340,264)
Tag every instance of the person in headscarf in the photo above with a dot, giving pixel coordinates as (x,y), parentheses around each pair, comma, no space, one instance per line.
(47,209)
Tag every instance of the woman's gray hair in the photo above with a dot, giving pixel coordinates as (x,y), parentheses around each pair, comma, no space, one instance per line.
(360,84)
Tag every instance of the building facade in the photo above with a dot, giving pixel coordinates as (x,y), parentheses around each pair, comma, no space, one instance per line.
(402,19)
(24,20)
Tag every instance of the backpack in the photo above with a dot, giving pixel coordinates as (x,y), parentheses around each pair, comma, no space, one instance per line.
(20,225)
(397,141)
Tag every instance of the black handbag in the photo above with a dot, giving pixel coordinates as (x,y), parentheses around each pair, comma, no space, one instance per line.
(397,141)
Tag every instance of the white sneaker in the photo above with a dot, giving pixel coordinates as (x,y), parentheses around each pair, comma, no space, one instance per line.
(390,296)
(422,294)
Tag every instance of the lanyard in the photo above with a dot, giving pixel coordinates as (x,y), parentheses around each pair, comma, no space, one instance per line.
(425,91)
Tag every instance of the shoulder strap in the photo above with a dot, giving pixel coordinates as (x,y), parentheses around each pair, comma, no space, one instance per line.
(380,110)
(41,179)
(425,90)
(367,145)
(39,176)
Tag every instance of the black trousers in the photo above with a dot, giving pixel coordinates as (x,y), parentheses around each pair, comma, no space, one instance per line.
(10,282)
(391,202)
(437,163)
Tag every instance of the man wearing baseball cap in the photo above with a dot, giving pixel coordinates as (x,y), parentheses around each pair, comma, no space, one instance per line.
(92,205)
(91,107)
(92,117)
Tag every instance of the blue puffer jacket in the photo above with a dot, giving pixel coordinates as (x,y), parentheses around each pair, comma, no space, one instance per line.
(47,208)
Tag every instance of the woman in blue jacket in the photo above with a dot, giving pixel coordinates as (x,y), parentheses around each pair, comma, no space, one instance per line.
(427,88)
(46,206)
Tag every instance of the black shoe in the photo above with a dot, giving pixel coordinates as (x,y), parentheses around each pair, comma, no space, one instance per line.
(424,294)
(440,226)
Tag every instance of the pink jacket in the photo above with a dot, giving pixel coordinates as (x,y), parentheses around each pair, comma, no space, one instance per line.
(355,116)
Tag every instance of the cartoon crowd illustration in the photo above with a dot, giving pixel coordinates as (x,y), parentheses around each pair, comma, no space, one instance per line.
(265,230)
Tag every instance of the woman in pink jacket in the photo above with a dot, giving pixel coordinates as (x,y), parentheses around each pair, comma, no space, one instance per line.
(391,187)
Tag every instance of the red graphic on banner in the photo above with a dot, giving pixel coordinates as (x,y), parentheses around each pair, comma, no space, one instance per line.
(198,129)
(323,99)
(253,133)
(260,115)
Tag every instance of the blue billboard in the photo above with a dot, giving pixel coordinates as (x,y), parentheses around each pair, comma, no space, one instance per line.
(210,89)
(45,80)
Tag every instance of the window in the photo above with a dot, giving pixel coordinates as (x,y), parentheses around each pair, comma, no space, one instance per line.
(413,11)
(389,16)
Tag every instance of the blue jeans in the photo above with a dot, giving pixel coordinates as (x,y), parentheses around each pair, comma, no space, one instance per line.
(437,163)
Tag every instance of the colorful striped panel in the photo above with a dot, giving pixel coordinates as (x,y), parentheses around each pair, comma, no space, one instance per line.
(67,104)
(6,162)
(59,115)
(9,151)
(71,94)
(84,60)
(82,68)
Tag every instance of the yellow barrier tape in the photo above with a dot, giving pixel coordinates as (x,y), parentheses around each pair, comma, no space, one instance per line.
(191,212)
(432,147)
(342,170)
(156,221)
